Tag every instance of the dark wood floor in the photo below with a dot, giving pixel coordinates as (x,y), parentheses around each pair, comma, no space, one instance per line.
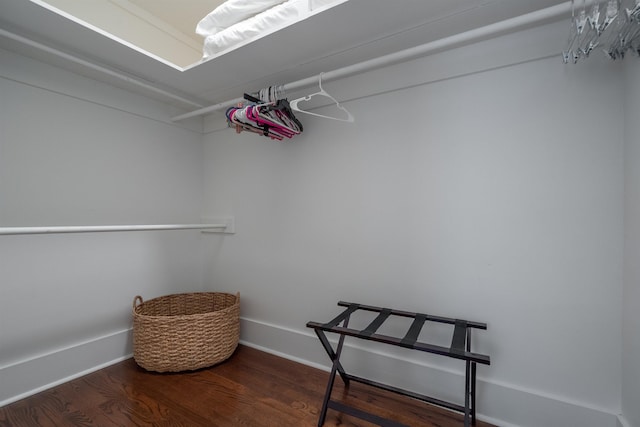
(252,388)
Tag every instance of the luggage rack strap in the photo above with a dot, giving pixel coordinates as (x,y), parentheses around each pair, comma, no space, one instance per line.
(421,346)
(377,322)
(339,318)
(412,334)
(459,339)
(439,319)
(457,349)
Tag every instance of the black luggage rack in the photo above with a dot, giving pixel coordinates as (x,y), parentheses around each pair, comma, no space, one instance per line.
(460,349)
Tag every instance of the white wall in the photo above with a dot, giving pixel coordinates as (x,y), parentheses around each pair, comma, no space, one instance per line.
(76,152)
(490,195)
(631,307)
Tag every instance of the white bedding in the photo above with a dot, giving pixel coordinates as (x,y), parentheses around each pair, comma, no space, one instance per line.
(231,12)
(250,28)
(237,21)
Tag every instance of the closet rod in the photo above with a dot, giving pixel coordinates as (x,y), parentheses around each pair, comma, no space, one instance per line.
(493,30)
(106,228)
(95,67)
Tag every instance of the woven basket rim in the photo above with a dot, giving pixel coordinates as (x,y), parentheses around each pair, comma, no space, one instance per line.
(189,293)
(187,316)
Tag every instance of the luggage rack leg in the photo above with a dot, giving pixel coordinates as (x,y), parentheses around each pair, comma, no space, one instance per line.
(473,382)
(467,380)
(336,366)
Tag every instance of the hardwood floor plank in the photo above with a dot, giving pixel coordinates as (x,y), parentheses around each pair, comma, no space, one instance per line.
(181,400)
(252,389)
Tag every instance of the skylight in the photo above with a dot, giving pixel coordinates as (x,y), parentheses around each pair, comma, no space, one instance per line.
(166,29)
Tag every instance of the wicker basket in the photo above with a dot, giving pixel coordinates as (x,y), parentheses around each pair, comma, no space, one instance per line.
(184,332)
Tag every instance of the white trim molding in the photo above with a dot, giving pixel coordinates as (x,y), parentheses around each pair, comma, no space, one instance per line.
(32,375)
(498,403)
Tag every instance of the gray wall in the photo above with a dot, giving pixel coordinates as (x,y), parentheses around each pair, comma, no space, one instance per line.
(631,307)
(76,152)
(489,182)
(481,183)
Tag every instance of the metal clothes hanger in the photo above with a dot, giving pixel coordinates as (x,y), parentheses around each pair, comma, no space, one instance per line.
(294,105)
(613,25)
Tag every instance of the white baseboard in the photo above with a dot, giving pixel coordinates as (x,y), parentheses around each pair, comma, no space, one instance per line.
(499,404)
(35,374)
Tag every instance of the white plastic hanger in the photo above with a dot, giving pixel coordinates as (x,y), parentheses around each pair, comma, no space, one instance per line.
(294,104)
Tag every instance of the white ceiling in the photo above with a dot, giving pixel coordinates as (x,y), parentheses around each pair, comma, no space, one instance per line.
(354,31)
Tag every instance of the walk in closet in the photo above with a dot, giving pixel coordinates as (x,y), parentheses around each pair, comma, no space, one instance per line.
(472,160)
